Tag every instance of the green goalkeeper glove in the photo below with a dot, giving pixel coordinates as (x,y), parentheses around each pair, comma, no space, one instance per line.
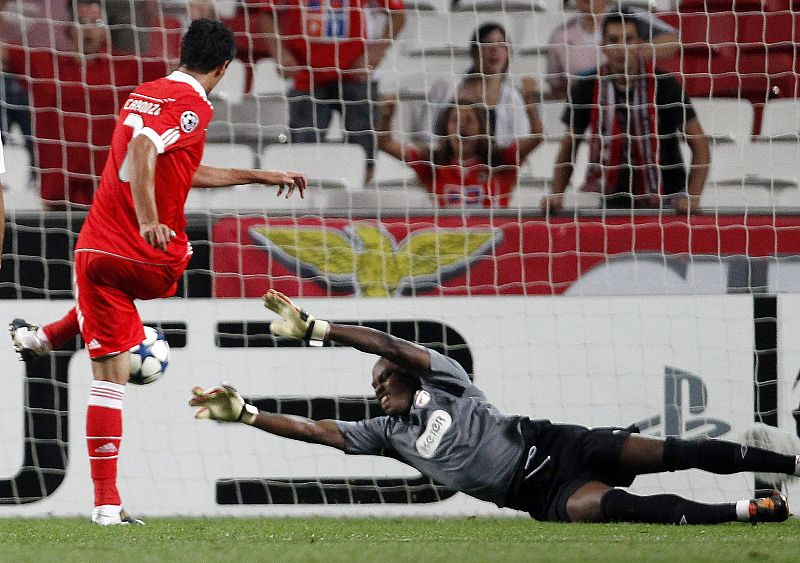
(223,403)
(295,322)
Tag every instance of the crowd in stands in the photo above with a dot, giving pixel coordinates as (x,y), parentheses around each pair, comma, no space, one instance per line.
(472,134)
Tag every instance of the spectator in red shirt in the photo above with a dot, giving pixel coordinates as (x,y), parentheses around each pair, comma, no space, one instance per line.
(324,46)
(466,168)
(75,97)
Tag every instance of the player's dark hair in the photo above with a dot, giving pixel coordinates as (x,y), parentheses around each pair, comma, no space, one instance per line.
(622,17)
(479,36)
(207,45)
(486,150)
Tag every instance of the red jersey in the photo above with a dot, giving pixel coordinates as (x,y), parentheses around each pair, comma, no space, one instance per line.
(74,102)
(174,113)
(326,36)
(473,184)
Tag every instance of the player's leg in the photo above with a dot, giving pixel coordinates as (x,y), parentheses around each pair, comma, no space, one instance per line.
(310,114)
(357,115)
(110,326)
(598,502)
(643,454)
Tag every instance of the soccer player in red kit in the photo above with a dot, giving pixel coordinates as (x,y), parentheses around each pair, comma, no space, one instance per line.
(133,244)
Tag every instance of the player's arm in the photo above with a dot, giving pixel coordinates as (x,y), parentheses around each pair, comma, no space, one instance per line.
(214,177)
(386,141)
(297,323)
(527,143)
(225,404)
(698,173)
(142,153)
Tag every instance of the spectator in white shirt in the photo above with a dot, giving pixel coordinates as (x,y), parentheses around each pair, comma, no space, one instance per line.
(507,111)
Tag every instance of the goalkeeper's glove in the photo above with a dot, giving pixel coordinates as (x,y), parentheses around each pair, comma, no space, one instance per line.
(295,321)
(223,403)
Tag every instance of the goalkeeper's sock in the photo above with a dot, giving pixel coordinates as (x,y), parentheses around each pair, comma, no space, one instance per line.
(621,506)
(61,331)
(103,436)
(722,457)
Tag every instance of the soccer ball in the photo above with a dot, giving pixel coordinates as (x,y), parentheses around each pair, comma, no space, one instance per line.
(150,358)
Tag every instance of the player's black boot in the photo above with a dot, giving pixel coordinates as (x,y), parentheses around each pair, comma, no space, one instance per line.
(774,508)
(26,342)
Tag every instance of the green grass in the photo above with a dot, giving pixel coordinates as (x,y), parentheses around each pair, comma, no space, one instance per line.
(383,539)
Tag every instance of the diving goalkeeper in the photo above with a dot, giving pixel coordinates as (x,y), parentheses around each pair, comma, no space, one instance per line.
(440,423)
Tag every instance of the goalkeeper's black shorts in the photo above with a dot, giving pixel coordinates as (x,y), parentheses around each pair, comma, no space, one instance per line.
(558,459)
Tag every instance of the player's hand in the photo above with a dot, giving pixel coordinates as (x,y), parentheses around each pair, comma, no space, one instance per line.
(156,234)
(294,321)
(552,203)
(686,204)
(387,106)
(222,403)
(287,181)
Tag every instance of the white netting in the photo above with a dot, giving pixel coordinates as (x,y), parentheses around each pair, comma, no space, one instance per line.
(459,278)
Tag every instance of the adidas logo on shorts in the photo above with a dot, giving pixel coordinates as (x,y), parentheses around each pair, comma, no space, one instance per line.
(93,344)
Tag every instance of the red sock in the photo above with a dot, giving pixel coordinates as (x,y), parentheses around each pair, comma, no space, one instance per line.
(103,436)
(59,332)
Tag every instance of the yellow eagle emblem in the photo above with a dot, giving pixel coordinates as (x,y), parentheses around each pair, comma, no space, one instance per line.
(364,258)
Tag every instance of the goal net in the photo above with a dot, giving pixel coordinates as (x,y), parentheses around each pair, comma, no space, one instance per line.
(679,325)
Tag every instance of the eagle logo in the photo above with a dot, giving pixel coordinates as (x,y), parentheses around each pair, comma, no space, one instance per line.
(365,259)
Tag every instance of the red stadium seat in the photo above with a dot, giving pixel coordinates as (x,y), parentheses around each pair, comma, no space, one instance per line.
(732,5)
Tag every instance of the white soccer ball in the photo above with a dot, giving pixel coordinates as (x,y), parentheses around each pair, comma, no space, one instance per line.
(150,358)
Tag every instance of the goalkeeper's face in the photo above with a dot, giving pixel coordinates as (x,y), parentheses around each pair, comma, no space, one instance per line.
(394,387)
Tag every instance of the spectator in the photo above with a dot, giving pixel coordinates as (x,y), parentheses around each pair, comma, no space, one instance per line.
(574,47)
(508,117)
(325,48)
(635,115)
(14,106)
(466,168)
(75,97)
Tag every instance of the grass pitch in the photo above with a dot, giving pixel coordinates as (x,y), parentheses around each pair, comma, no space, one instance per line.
(455,540)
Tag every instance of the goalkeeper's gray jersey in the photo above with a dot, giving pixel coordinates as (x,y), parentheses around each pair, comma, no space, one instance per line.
(452,434)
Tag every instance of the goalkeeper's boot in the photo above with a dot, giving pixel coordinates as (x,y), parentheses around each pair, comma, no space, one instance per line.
(113,515)
(26,340)
(774,508)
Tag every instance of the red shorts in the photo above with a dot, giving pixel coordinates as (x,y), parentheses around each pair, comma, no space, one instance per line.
(105,287)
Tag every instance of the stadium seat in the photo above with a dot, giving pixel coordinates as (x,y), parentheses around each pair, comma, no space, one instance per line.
(256,121)
(231,87)
(427,5)
(227,155)
(550,113)
(18,168)
(776,162)
(725,120)
(324,164)
(390,172)
(742,196)
(500,6)
(781,118)
(719,5)
(538,169)
(266,80)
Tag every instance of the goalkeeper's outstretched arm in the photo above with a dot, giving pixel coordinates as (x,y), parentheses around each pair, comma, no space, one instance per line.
(225,404)
(297,323)
(323,432)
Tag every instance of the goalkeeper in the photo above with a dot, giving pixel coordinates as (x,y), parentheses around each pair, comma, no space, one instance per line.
(440,423)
